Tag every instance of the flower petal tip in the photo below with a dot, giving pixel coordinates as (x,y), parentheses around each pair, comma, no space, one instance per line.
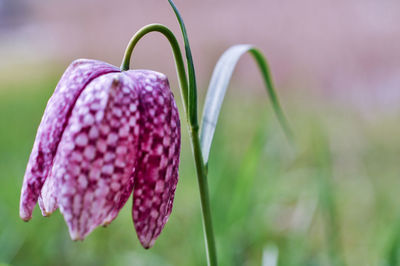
(46,211)
(75,236)
(106,224)
(46,214)
(110,218)
(24,214)
(25,219)
(148,243)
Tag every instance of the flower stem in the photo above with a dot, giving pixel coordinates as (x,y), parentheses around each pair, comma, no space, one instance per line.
(180,67)
(191,116)
(201,170)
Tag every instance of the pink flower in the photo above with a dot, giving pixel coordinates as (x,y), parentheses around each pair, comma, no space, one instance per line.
(104,134)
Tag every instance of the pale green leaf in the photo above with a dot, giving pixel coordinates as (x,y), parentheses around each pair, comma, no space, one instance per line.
(217,88)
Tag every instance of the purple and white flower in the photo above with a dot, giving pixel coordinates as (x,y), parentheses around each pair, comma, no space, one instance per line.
(104,134)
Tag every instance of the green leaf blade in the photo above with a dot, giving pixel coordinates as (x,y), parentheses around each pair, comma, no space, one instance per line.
(192,96)
(217,89)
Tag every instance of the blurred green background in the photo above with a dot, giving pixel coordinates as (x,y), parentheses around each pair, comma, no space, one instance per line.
(330,200)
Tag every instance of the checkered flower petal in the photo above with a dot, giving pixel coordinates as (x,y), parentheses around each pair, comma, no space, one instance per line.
(93,169)
(104,134)
(156,173)
(51,128)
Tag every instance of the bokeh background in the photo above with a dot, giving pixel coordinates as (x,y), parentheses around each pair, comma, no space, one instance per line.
(332,199)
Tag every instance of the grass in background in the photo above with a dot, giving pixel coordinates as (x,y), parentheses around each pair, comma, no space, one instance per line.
(333,202)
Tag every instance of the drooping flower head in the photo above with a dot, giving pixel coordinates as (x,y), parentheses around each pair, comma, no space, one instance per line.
(104,134)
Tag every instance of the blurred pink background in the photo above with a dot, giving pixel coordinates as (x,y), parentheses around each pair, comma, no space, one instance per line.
(346,50)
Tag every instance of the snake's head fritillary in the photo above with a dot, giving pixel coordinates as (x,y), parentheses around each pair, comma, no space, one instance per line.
(104,134)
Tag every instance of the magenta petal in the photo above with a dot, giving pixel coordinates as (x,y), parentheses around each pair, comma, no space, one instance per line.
(158,156)
(51,128)
(97,154)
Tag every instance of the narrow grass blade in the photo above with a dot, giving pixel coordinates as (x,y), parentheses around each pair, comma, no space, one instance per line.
(327,197)
(191,73)
(392,256)
(243,183)
(216,92)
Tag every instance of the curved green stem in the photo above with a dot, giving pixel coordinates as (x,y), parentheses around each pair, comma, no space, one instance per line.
(191,114)
(180,67)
